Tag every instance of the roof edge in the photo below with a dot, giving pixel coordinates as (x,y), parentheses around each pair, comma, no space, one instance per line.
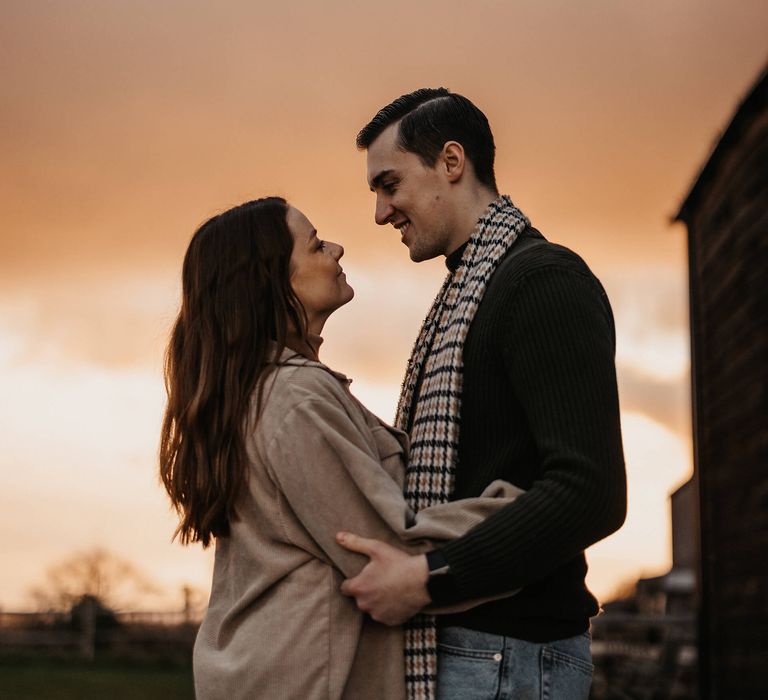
(755,100)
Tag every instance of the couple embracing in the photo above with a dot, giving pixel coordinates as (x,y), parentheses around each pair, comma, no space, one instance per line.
(442,557)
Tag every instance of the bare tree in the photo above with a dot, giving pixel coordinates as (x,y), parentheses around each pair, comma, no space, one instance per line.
(97,573)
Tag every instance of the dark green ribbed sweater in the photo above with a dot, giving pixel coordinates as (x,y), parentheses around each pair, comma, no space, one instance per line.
(540,410)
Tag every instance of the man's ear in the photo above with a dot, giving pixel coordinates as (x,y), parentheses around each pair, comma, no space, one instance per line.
(453,160)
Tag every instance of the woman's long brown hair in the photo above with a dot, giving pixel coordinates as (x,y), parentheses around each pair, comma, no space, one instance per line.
(237,303)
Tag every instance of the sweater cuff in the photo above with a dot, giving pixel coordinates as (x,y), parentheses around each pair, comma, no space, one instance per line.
(440,586)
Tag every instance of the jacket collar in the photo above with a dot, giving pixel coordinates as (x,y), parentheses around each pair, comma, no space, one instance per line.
(291,358)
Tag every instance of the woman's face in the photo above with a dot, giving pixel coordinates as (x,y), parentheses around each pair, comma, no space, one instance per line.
(316,276)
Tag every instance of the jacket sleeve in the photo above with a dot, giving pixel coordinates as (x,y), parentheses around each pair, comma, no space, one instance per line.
(558,350)
(328,473)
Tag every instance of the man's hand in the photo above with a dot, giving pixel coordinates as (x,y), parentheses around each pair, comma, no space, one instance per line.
(392,587)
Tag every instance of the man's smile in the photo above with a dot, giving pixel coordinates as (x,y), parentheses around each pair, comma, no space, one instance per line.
(403,227)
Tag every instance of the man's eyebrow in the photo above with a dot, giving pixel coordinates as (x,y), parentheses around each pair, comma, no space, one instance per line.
(313,232)
(376,181)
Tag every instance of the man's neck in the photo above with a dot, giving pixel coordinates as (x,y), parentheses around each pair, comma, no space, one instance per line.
(469,212)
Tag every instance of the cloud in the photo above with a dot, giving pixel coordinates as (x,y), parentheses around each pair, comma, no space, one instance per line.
(667,401)
(650,306)
(122,320)
(102,320)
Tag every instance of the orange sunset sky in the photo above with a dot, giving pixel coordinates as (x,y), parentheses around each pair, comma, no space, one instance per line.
(125,124)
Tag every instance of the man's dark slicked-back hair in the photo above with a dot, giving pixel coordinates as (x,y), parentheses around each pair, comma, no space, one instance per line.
(430,117)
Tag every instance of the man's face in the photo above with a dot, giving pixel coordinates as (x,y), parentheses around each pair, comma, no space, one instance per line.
(412,197)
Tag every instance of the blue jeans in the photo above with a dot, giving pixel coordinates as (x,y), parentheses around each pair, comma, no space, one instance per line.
(479,666)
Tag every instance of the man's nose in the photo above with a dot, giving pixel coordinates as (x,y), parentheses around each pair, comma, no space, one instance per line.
(384,211)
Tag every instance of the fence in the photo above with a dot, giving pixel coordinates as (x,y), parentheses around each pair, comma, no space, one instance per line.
(89,629)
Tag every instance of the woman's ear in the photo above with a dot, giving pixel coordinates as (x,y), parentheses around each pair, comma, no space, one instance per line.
(453,160)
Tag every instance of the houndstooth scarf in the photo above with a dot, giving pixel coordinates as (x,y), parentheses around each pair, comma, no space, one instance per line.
(432,416)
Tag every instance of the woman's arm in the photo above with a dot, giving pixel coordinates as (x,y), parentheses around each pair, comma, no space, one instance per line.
(327,470)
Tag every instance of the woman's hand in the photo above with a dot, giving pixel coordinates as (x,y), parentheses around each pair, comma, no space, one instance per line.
(392,586)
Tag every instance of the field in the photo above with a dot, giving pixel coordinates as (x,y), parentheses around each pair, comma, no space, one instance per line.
(41,678)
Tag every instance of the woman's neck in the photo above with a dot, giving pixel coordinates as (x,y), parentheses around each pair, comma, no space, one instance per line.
(310,347)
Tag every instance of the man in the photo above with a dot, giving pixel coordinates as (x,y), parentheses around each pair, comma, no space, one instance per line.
(513,378)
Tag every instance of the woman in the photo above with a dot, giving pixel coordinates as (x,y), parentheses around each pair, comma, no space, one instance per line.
(265,450)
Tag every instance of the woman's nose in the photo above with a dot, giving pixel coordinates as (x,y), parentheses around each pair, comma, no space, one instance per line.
(337,250)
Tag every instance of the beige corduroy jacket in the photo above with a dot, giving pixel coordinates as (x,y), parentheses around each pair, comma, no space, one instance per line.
(277,626)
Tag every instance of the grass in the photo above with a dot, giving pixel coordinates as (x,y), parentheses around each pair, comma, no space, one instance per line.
(47,678)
